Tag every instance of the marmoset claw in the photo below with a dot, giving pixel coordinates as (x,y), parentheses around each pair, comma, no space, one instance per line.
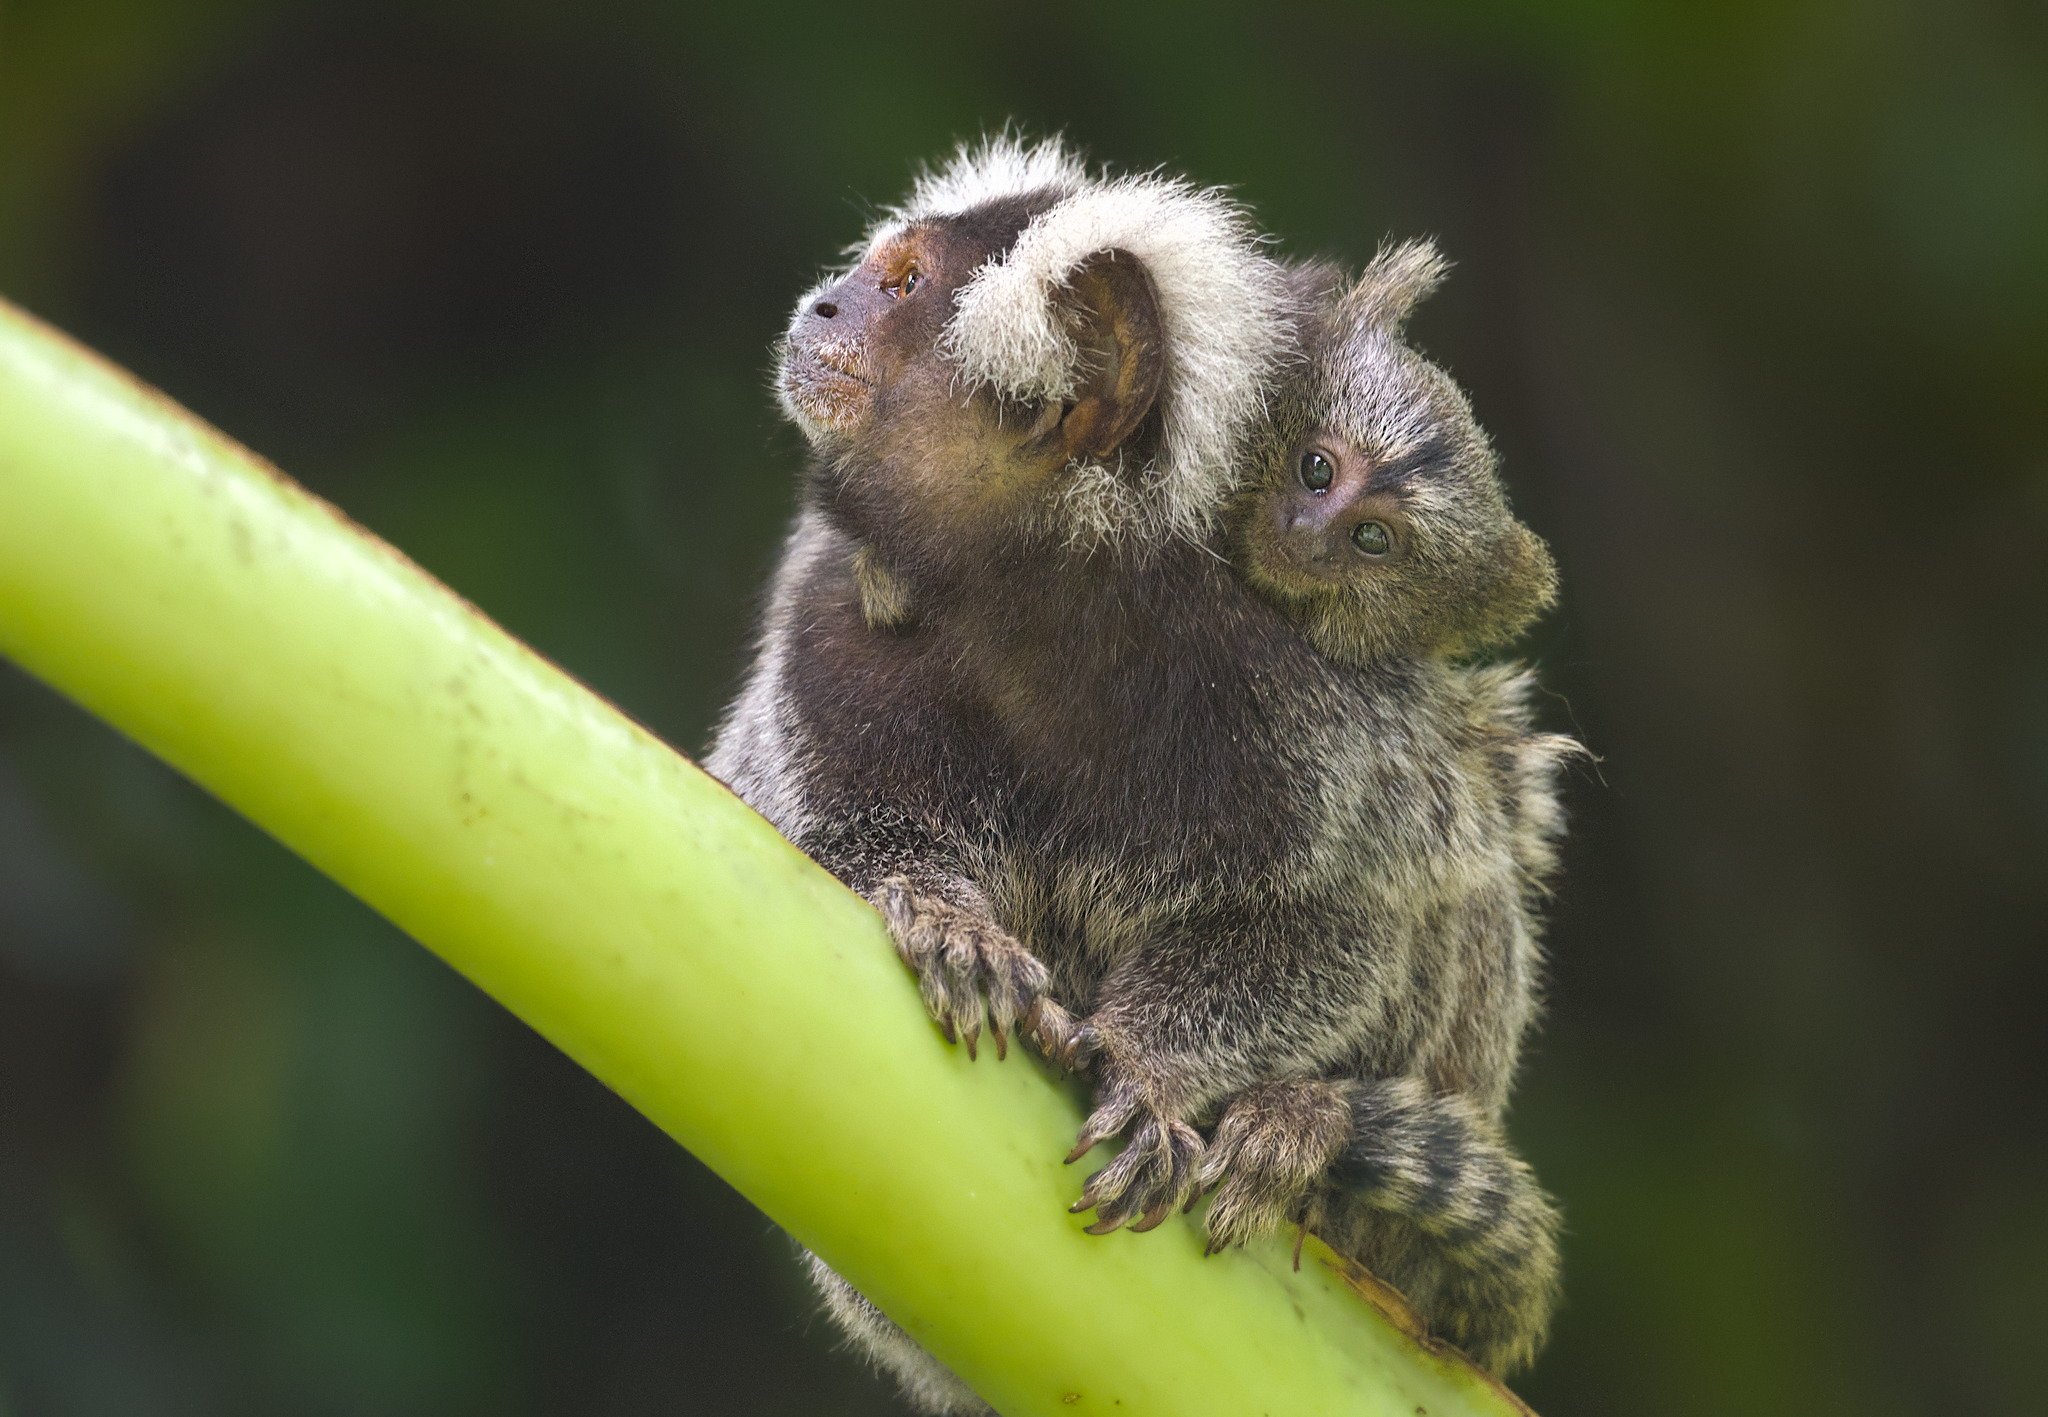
(972,975)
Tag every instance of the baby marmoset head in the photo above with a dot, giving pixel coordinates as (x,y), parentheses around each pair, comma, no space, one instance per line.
(1378,521)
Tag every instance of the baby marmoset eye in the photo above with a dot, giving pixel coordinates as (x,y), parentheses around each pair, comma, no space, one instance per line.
(1316,472)
(1373,539)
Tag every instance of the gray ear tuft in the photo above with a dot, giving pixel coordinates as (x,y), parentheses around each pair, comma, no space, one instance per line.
(1395,283)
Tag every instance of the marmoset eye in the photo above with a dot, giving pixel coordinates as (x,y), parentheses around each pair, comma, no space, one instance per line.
(1372,538)
(1316,472)
(905,284)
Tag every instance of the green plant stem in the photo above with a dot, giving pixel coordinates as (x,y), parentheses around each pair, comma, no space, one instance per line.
(631,910)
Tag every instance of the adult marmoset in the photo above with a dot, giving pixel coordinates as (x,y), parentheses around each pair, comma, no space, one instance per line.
(999,429)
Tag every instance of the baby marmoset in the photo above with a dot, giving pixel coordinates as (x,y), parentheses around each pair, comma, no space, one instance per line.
(1378,524)
(1274,884)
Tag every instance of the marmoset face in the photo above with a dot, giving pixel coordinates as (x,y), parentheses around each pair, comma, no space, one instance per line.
(863,345)
(1332,521)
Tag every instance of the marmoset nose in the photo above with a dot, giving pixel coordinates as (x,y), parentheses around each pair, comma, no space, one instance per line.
(1301,535)
(825,310)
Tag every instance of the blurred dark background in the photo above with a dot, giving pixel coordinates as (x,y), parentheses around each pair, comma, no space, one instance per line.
(1755,298)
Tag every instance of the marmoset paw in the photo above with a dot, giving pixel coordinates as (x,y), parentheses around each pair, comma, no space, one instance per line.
(1067,1042)
(1271,1149)
(1153,1174)
(970,971)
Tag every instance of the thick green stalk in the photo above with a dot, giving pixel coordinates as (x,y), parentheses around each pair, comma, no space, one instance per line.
(630,909)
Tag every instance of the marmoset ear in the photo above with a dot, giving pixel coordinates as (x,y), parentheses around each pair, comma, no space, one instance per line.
(1519,583)
(1396,281)
(1113,314)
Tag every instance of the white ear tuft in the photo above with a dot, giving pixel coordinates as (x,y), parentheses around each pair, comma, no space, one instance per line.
(1222,305)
